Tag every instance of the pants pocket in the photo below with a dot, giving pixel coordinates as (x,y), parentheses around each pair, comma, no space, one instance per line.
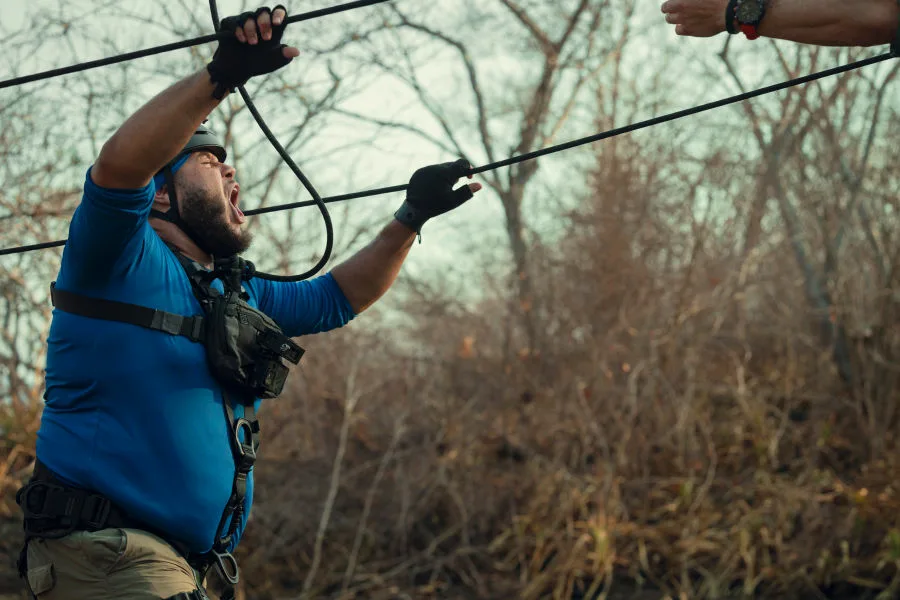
(105,548)
(41,578)
(150,568)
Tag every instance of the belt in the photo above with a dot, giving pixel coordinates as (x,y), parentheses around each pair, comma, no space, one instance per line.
(54,509)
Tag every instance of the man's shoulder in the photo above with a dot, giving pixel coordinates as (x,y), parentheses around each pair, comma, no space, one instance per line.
(149,276)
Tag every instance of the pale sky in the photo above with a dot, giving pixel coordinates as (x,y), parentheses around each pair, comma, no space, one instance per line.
(449,239)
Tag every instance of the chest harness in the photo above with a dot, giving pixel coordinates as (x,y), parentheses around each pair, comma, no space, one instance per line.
(244,351)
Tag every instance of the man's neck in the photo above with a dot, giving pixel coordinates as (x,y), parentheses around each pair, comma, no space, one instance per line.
(175,237)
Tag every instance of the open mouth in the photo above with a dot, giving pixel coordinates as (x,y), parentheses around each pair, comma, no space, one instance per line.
(234,199)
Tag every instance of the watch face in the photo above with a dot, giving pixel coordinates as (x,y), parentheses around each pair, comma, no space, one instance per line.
(748,11)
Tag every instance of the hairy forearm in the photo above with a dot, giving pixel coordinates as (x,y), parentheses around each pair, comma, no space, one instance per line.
(155,133)
(369,273)
(832,22)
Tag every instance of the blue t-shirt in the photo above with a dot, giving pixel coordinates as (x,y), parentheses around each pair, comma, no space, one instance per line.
(132,413)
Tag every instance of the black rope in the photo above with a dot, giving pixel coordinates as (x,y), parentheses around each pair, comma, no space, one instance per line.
(559,147)
(103,62)
(685,113)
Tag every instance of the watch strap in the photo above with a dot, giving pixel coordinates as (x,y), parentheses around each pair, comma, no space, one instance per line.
(731,17)
(895,45)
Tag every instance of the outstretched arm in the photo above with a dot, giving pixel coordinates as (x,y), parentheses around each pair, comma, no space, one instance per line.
(368,274)
(819,22)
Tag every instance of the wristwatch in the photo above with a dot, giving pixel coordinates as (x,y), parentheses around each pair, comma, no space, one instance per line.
(748,14)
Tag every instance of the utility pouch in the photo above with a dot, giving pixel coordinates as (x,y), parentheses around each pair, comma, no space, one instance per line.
(245,348)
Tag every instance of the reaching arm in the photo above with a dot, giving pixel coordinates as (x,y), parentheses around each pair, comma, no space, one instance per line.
(332,300)
(819,22)
(368,274)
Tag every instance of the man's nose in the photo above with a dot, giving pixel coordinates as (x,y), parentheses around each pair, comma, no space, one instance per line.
(228,171)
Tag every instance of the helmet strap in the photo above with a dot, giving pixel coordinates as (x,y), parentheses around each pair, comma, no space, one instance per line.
(172,215)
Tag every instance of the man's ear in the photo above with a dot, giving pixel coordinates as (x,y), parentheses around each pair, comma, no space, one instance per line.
(161,199)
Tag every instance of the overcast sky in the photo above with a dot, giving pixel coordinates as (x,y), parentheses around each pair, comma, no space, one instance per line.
(448,240)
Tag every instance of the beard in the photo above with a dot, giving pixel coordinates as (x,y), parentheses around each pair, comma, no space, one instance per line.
(209,221)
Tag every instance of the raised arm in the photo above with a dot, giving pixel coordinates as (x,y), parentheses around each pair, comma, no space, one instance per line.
(107,229)
(819,22)
(157,131)
(154,134)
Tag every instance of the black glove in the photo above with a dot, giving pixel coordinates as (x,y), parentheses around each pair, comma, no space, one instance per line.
(430,193)
(235,62)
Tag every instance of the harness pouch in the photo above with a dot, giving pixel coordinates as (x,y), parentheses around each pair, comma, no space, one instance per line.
(244,347)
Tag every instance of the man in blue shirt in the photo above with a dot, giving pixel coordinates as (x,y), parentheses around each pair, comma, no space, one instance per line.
(137,432)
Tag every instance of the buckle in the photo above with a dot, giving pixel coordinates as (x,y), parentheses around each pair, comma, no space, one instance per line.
(227,567)
(245,449)
(64,509)
(99,514)
(269,378)
(167,322)
(24,498)
(281,345)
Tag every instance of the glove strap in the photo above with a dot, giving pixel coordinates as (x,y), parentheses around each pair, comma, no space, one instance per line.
(412,216)
(218,78)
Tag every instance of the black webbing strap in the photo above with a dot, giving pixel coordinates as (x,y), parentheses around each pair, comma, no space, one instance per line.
(197,594)
(111,310)
(201,279)
(53,510)
(244,444)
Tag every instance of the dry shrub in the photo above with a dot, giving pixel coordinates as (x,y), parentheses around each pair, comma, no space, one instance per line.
(680,428)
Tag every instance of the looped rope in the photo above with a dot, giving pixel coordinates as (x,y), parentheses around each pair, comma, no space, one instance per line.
(317,199)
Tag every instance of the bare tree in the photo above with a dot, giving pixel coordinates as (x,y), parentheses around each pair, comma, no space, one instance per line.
(486,110)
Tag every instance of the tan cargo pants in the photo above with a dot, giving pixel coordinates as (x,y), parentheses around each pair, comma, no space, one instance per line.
(111,564)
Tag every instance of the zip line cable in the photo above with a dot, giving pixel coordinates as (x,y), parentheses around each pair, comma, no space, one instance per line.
(103,62)
(549,150)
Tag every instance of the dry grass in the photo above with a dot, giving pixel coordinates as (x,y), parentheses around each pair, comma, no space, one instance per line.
(681,431)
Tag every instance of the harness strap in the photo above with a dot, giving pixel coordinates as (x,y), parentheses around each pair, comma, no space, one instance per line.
(173,215)
(111,310)
(197,594)
(244,445)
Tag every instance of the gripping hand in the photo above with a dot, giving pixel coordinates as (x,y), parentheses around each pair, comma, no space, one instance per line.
(430,193)
(253,47)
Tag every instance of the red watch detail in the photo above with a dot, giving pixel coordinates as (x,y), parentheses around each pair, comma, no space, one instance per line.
(750,31)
